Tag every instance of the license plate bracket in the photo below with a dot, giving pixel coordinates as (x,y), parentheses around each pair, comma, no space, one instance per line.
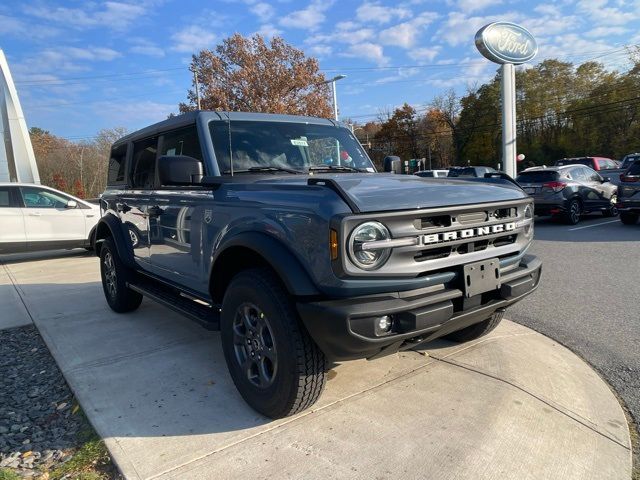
(529,190)
(481,277)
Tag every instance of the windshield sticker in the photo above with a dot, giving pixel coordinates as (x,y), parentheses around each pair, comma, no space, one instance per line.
(299,142)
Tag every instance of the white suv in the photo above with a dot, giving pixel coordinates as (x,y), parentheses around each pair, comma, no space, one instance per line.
(35,217)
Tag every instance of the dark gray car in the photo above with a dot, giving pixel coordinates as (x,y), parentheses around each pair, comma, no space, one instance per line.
(277,231)
(569,191)
(629,194)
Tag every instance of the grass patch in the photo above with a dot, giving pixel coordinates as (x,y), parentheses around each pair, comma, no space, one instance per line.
(90,456)
(6,474)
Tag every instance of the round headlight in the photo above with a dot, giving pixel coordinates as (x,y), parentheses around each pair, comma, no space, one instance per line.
(374,256)
(528,218)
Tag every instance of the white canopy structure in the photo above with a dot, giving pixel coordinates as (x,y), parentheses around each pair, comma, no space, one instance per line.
(17,161)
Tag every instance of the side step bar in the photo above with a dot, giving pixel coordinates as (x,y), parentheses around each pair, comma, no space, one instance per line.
(208,316)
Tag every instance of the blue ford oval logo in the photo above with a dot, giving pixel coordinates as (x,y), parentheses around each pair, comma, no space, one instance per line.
(506,42)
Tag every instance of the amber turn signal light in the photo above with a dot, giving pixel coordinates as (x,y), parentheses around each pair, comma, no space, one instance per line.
(333,244)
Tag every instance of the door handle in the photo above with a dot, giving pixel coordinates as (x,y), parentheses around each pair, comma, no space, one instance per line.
(35,214)
(122,207)
(154,211)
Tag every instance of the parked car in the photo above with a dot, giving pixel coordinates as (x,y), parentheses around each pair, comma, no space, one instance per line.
(599,164)
(432,173)
(35,217)
(629,194)
(627,160)
(254,225)
(470,171)
(569,191)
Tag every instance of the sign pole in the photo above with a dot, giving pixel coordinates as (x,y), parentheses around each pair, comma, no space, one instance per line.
(509,150)
(508,44)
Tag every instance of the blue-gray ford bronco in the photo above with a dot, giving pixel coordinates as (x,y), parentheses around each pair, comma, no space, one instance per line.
(278,231)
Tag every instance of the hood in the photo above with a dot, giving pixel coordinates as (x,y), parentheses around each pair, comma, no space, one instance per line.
(387,192)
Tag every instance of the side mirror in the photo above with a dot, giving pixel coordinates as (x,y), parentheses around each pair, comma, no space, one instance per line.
(71,204)
(605,179)
(179,170)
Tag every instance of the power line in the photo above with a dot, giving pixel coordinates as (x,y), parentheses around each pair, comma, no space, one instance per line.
(142,73)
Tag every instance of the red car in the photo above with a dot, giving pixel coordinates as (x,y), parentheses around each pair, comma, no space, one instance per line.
(596,163)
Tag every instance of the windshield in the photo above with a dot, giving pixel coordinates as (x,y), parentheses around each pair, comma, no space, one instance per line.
(285,146)
(463,172)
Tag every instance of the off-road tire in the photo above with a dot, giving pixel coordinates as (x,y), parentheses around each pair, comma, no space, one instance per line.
(573,213)
(298,374)
(115,276)
(476,330)
(628,218)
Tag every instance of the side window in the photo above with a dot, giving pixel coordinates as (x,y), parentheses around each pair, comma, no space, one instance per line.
(578,174)
(35,197)
(182,142)
(6,198)
(590,175)
(117,162)
(143,163)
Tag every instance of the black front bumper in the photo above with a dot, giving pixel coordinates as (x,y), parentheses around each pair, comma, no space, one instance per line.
(343,328)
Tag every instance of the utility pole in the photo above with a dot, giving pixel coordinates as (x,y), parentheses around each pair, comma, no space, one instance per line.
(195,80)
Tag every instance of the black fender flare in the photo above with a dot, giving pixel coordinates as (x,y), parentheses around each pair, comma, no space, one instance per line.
(295,278)
(111,226)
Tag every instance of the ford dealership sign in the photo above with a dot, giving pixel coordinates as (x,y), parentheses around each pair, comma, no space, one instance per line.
(505,42)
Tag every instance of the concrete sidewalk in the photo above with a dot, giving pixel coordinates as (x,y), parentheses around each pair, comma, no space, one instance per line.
(513,405)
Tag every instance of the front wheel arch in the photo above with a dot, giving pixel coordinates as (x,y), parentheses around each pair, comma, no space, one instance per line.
(253,250)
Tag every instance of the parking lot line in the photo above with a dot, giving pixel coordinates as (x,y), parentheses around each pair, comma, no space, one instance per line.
(596,225)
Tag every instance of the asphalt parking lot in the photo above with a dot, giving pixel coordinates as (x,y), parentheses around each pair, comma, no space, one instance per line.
(589,297)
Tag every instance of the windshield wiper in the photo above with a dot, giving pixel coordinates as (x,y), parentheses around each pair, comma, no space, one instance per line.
(339,168)
(265,169)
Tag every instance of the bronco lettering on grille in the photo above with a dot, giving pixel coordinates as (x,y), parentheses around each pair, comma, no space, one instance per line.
(467,233)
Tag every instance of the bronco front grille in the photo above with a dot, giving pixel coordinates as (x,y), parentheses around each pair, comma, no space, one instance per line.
(436,239)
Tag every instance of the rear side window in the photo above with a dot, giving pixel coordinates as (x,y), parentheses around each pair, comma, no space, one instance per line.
(182,142)
(143,164)
(537,177)
(6,197)
(117,165)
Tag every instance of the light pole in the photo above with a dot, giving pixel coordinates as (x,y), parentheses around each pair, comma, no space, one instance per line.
(333,81)
(366,133)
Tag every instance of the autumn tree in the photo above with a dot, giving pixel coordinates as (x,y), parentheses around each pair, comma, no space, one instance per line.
(401,133)
(79,168)
(249,74)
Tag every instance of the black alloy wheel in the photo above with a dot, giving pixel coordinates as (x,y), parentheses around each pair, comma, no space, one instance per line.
(274,363)
(253,345)
(574,212)
(115,279)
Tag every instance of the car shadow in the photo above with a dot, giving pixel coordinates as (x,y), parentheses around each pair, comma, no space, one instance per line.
(21,257)
(591,228)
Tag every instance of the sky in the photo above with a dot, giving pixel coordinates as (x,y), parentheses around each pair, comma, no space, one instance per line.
(80,66)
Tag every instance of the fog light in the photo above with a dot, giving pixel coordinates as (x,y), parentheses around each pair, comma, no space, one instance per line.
(383,324)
